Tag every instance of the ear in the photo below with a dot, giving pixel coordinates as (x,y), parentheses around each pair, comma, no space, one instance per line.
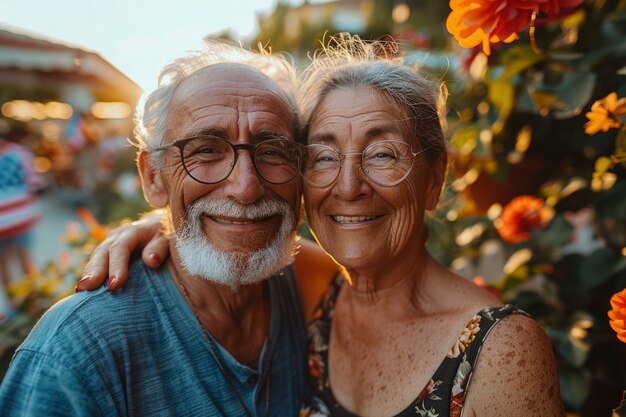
(436,181)
(154,190)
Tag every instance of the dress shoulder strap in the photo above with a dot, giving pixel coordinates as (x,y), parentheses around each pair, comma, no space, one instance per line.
(466,350)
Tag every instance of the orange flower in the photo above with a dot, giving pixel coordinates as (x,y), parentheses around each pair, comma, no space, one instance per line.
(605,114)
(475,22)
(521,217)
(618,314)
(96,230)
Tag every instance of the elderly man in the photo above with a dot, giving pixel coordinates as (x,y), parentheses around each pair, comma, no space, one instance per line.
(218,331)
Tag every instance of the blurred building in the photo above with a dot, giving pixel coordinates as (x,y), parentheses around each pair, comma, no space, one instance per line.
(61,100)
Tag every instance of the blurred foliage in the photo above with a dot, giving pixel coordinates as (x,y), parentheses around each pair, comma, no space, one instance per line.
(537,211)
(299,30)
(119,196)
(113,194)
(31,296)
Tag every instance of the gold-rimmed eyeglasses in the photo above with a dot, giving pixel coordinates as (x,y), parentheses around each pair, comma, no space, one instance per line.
(385,163)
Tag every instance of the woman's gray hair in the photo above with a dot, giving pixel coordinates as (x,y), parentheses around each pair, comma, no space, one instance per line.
(152,117)
(348,61)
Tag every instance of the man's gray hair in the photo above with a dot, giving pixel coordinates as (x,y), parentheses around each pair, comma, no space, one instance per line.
(152,117)
(349,62)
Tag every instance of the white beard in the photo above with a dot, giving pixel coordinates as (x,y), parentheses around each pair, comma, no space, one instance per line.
(201,258)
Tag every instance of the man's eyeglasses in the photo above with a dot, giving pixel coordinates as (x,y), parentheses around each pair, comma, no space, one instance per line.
(210,159)
(385,163)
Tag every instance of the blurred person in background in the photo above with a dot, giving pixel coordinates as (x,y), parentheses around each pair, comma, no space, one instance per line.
(19,209)
(398,334)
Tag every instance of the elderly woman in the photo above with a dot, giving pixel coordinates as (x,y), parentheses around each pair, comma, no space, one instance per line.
(397,334)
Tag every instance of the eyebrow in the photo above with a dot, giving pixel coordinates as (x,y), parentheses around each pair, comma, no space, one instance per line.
(209,131)
(377,131)
(269,134)
(325,138)
(259,136)
(370,134)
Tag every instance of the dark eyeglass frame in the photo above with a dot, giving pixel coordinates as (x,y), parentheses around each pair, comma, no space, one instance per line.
(342,157)
(180,144)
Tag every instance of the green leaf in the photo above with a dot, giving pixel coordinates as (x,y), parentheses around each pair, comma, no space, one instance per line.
(515,60)
(464,139)
(573,353)
(563,99)
(502,95)
(614,48)
(573,93)
(598,267)
(556,235)
(575,387)
(531,302)
(512,281)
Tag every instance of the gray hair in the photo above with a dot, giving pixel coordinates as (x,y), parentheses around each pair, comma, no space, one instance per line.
(348,61)
(153,117)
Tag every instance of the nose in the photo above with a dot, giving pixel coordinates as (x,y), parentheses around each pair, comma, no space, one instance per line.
(351,183)
(244,184)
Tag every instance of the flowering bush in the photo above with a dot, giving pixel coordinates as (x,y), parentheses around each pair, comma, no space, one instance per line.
(31,296)
(537,134)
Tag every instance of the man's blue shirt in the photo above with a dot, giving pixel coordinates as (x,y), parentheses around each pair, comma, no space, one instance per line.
(141,352)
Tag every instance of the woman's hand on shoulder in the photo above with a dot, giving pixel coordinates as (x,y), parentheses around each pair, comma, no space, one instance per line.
(112,256)
(516,373)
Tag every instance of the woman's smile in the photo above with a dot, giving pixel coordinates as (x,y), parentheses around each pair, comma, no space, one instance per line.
(353,219)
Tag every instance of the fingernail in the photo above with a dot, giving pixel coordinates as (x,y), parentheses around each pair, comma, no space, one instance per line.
(83,279)
(112,281)
(155,258)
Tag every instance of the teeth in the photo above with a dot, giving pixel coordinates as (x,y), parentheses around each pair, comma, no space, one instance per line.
(352,219)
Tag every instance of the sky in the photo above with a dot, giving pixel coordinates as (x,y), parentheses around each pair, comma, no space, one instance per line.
(137,36)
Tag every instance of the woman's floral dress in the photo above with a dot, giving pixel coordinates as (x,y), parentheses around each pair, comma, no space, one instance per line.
(442,396)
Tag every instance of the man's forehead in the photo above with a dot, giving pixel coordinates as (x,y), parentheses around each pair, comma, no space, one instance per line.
(227,75)
(226,95)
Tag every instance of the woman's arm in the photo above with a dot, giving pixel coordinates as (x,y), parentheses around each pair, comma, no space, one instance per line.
(515,374)
(113,254)
(314,268)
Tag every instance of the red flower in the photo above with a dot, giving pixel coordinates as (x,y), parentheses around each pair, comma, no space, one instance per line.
(618,314)
(558,7)
(521,217)
(476,22)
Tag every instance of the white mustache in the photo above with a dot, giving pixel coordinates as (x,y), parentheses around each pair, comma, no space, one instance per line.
(228,208)
(199,257)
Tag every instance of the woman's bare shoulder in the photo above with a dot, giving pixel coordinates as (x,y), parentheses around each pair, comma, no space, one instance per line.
(515,374)
(314,271)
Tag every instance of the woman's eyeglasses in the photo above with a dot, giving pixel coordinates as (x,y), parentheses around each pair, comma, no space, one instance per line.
(385,163)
